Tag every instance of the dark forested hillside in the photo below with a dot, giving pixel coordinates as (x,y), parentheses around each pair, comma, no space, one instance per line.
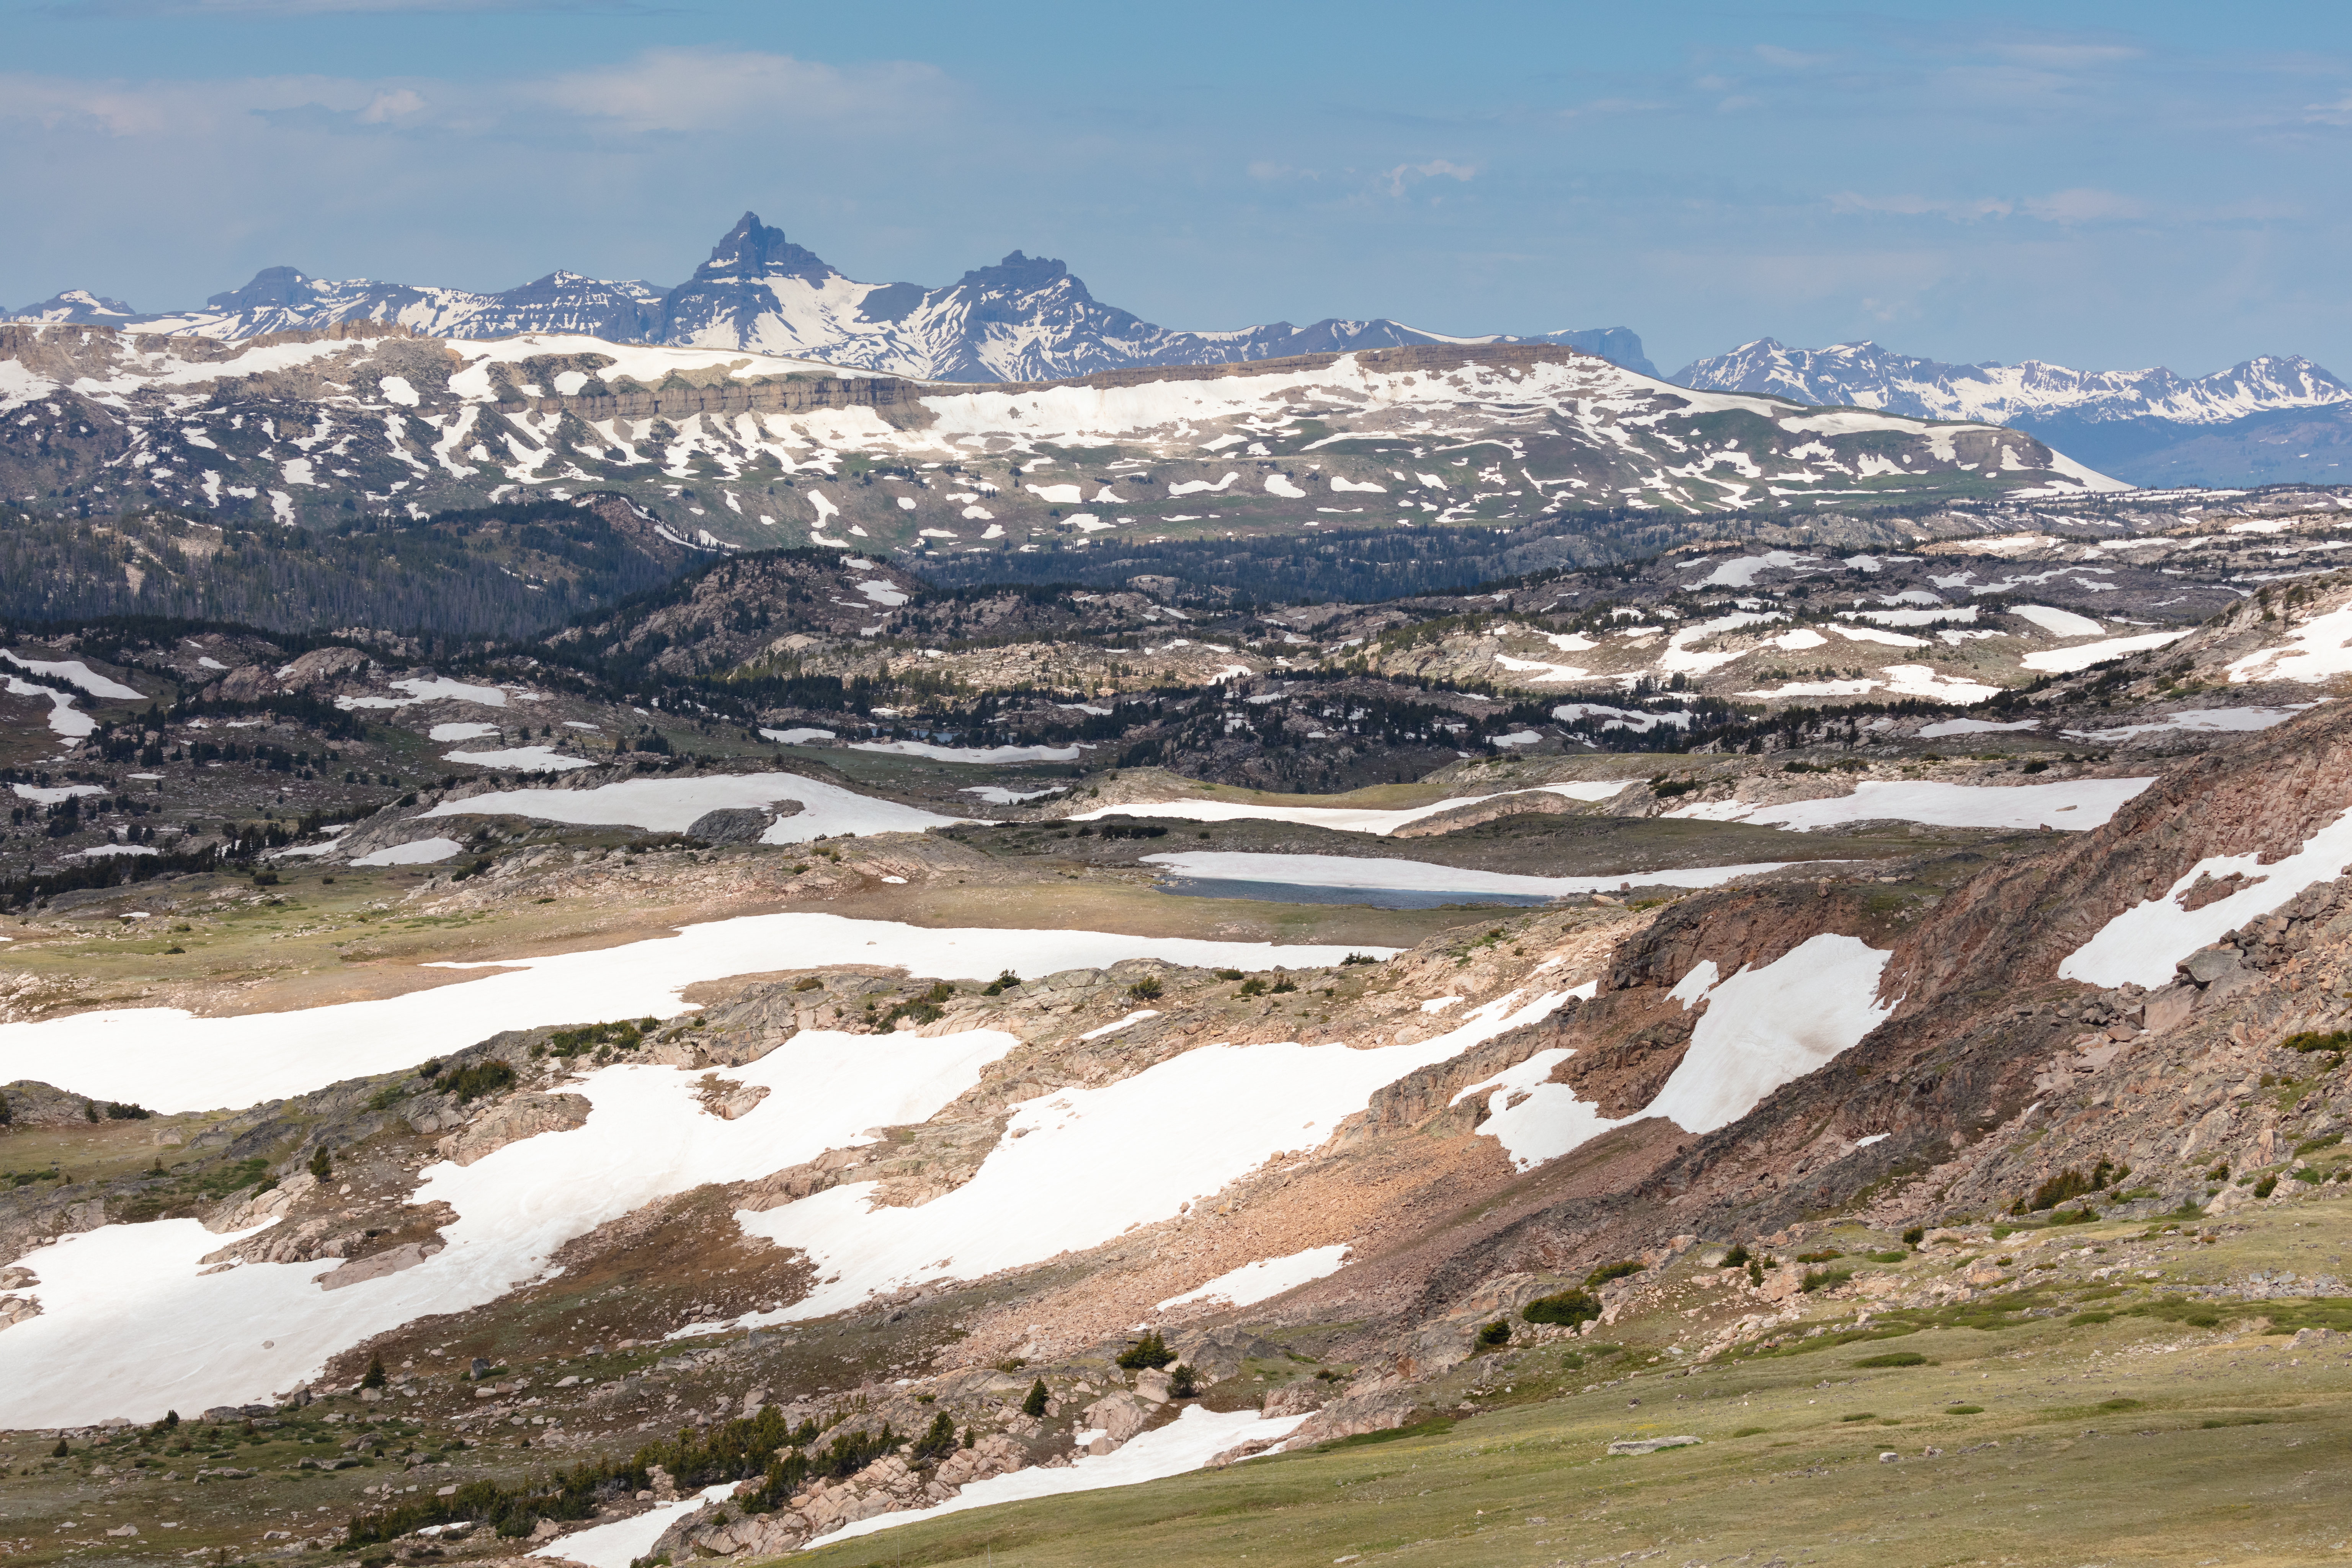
(507,570)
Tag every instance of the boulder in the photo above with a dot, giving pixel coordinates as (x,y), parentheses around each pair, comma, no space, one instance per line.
(513,1120)
(377,1264)
(733,824)
(1117,1416)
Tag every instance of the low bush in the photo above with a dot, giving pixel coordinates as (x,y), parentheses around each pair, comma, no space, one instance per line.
(2338,1040)
(1568,1308)
(471,1082)
(1148,1351)
(1608,1272)
(1147,989)
(1893,1358)
(1825,1278)
(1493,1336)
(1005,981)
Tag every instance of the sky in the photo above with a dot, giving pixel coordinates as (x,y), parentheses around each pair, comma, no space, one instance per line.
(2108,186)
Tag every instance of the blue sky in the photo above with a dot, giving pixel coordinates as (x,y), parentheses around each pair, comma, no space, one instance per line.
(2103,186)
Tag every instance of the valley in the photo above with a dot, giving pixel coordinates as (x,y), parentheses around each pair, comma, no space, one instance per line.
(548,1032)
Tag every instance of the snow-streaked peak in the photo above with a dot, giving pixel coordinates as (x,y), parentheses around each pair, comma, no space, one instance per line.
(1865,375)
(1023,318)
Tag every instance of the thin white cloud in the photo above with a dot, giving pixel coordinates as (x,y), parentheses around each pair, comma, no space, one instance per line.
(1789,59)
(397,104)
(1963,209)
(1434,169)
(2336,113)
(707,89)
(2082,204)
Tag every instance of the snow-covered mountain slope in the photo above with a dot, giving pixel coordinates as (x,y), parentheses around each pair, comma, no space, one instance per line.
(735,448)
(2270,420)
(1024,319)
(1864,375)
(283,299)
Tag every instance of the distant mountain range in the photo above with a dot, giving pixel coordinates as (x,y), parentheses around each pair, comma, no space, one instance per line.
(2269,420)
(1024,319)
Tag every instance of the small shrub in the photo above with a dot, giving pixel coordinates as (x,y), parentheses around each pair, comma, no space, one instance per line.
(1861,1416)
(1824,1256)
(1964,1410)
(1253,986)
(1825,1278)
(322,1165)
(1893,1358)
(1750,1431)
(1147,989)
(1005,981)
(2338,1040)
(1569,1308)
(1608,1272)
(116,1111)
(1183,1382)
(490,1076)
(1735,1259)
(60,1451)
(1889,1256)
(1227,973)
(1034,1405)
(1494,1335)
(2314,1145)
(1284,985)
(1358,958)
(936,1443)
(2266,1187)
(375,1377)
(1150,1351)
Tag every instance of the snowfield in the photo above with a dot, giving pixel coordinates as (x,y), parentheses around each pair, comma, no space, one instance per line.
(1762,1028)
(2317,650)
(673,805)
(1349,818)
(2077,804)
(1076,1168)
(131,1325)
(969,754)
(2081,655)
(1264,1279)
(1421,876)
(172,1061)
(74,672)
(1765,1027)
(2141,945)
(521,759)
(1187,1443)
(2196,720)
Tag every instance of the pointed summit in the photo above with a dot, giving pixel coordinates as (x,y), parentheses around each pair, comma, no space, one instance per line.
(751,250)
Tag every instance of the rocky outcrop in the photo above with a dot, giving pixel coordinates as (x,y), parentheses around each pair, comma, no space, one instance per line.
(511,1120)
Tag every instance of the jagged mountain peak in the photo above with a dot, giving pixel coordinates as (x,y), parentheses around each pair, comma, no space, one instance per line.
(75,306)
(1025,318)
(753,249)
(270,286)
